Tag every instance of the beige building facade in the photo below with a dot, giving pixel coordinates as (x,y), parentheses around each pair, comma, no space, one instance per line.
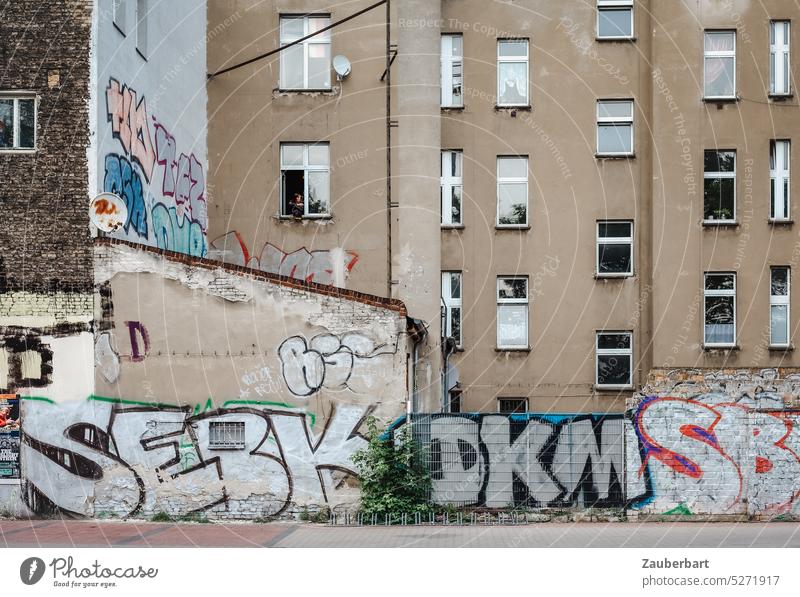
(579,191)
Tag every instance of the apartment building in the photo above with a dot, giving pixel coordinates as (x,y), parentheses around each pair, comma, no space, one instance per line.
(612,193)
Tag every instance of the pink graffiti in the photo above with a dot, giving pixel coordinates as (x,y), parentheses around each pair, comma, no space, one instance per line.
(129,124)
(732,455)
(302,264)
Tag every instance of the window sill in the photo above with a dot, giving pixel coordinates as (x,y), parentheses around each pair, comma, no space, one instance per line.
(599,388)
(612,276)
(780,97)
(721,347)
(16,151)
(304,218)
(780,222)
(452,226)
(141,54)
(618,39)
(226,448)
(720,224)
(118,28)
(521,108)
(512,227)
(787,348)
(615,156)
(520,349)
(453,108)
(327,91)
(721,100)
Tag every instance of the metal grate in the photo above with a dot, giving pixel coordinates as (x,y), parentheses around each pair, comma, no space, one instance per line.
(228,435)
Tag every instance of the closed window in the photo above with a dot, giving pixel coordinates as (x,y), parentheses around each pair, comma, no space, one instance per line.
(779,156)
(512,406)
(719,309)
(614,248)
(452,71)
(719,186)
(780,72)
(780,278)
(305,180)
(306,65)
(614,359)
(451,187)
(512,191)
(451,294)
(141,26)
(512,312)
(615,127)
(719,64)
(512,72)
(17,122)
(226,435)
(455,400)
(614,19)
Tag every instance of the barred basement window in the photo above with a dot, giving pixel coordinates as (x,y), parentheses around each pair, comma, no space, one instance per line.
(227,435)
(512,405)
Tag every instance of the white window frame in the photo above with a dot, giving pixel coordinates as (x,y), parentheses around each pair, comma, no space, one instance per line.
(617,121)
(611,6)
(118,14)
(613,240)
(449,62)
(719,54)
(781,300)
(450,302)
(598,352)
(515,180)
(319,39)
(142,17)
(17,96)
(780,153)
(501,398)
(515,59)
(718,174)
(780,82)
(513,301)
(226,435)
(715,293)
(449,183)
(307,168)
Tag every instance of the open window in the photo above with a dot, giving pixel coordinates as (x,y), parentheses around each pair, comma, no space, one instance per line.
(305,180)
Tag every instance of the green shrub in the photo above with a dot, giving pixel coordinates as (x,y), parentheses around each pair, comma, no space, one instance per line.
(161,517)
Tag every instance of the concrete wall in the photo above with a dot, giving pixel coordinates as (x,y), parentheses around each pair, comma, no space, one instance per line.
(150,122)
(181,345)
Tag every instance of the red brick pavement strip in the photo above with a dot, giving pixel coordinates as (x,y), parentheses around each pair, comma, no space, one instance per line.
(75,533)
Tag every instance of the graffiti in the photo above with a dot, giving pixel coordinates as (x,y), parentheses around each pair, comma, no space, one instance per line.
(137,330)
(715,454)
(25,359)
(121,179)
(259,382)
(172,233)
(128,120)
(352,362)
(106,358)
(114,457)
(524,460)
(177,211)
(323,267)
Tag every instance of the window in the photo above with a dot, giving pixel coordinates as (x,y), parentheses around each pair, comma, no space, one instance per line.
(141,27)
(779,70)
(779,155)
(227,435)
(512,405)
(614,19)
(614,355)
(719,65)
(17,122)
(614,248)
(512,312)
(512,191)
(719,186)
(306,65)
(615,127)
(118,14)
(779,306)
(719,309)
(512,72)
(451,294)
(305,180)
(451,188)
(452,71)
(455,400)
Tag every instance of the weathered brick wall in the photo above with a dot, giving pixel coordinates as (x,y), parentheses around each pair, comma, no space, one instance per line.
(716,442)
(44,228)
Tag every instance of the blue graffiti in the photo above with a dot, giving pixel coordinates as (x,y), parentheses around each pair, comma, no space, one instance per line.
(121,179)
(182,237)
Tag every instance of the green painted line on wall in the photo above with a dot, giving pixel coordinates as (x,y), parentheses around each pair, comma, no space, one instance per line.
(38,398)
(311,416)
(95,398)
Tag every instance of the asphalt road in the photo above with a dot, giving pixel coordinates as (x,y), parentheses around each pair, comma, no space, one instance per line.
(71,533)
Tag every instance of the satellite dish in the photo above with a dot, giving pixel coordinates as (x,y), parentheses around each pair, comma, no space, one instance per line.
(108,212)
(342,66)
